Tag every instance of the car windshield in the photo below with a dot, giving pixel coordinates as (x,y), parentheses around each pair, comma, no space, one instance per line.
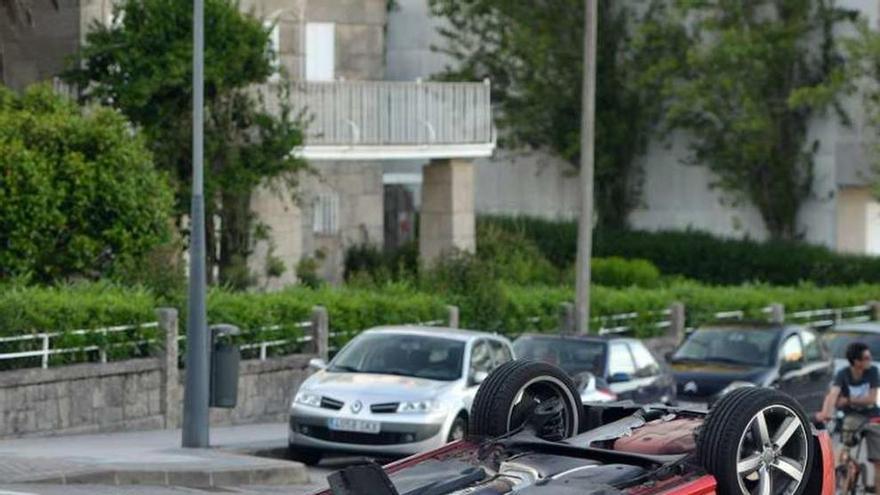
(420,356)
(838,340)
(572,355)
(738,345)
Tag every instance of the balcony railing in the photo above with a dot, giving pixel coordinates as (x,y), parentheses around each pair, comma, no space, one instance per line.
(385,119)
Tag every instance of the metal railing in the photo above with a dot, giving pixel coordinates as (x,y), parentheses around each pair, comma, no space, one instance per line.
(46,350)
(394,113)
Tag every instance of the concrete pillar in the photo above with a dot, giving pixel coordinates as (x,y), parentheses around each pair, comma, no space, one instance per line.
(452,316)
(566,318)
(170,390)
(777,313)
(320,332)
(677,321)
(447,214)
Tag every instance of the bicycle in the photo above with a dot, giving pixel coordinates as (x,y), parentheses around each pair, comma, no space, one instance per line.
(849,472)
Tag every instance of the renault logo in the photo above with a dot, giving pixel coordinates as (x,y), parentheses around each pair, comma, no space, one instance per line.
(690,387)
(356,406)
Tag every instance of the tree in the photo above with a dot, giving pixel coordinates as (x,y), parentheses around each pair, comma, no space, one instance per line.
(746,91)
(80,195)
(141,64)
(533,54)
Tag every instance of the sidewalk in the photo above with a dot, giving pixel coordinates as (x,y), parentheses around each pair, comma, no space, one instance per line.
(151,458)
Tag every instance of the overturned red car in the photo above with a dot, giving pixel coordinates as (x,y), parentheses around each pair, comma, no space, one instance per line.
(530,435)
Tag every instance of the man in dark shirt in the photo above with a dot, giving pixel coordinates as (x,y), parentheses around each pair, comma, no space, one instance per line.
(854,391)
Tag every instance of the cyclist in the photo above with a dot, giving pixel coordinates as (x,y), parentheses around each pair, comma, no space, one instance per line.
(854,391)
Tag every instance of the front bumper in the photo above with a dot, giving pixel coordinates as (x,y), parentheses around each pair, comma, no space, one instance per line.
(400,434)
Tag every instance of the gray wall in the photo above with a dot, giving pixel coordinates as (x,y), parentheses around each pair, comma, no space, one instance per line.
(30,53)
(140,394)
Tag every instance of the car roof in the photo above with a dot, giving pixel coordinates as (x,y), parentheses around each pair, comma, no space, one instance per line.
(572,336)
(447,333)
(866,327)
(756,325)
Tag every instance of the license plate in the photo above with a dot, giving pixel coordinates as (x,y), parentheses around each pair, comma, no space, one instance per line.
(355,425)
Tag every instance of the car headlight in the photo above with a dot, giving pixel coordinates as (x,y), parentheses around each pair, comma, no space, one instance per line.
(307,399)
(735,385)
(420,406)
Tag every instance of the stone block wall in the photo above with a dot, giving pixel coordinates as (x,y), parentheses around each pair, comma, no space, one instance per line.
(142,394)
(84,398)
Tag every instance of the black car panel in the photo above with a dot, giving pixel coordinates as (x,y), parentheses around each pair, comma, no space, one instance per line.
(628,368)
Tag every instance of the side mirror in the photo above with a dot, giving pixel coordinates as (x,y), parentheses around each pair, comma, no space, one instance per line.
(787,366)
(668,356)
(478,377)
(317,364)
(619,377)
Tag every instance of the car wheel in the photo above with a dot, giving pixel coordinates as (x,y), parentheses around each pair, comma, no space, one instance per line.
(757,441)
(458,429)
(519,392)
(308,457)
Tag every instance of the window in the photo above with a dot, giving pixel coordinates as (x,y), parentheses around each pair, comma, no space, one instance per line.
(500,353)
(620,360)
(325,218)
(320,51)
(791,350)
(646,365)
(812,346)
(481,357)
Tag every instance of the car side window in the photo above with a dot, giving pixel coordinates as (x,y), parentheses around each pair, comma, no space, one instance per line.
(620,360)
(500,353)
(481,357)
(791,350)
(646,365)
(812,346)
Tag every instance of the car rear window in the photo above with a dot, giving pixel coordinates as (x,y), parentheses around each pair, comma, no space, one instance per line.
(838,340)
(572,355)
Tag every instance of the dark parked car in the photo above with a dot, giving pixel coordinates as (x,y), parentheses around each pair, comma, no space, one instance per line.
(604,368)
(844,334)
(717,359)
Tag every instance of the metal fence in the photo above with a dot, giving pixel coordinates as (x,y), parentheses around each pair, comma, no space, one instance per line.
(394,113)
(40,345)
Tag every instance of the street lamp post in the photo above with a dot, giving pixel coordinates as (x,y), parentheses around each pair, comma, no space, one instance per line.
(195,401)
(585,223)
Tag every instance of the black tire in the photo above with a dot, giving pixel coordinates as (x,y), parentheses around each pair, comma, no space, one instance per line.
(493,408)
(458,430)
(306,456)
(731,434)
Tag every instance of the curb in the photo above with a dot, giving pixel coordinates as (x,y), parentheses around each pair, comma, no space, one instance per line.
(294,474)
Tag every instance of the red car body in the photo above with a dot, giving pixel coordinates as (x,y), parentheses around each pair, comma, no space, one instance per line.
(689,480)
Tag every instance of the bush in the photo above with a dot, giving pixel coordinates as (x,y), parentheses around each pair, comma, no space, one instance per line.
(80,196)
(619,272)
(701,256)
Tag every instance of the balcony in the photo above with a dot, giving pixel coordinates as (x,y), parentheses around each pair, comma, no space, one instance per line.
(385,120)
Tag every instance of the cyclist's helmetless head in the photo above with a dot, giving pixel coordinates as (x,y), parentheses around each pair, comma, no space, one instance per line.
(859,355)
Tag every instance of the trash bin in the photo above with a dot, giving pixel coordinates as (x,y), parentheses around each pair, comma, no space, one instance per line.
(225,357)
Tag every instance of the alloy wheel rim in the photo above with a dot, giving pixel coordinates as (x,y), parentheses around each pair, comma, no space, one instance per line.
(538,391)
(772,453)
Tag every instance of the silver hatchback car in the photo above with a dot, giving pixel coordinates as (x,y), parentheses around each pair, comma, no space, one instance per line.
(393,391)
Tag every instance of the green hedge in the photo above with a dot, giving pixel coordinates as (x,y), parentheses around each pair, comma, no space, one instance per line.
(523,304)
(699,255)
(502,307)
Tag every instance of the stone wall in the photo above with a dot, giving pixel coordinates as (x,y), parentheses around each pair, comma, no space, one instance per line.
(84,398)
(141,394)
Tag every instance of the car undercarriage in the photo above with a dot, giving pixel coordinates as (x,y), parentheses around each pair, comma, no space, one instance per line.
(754,442)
